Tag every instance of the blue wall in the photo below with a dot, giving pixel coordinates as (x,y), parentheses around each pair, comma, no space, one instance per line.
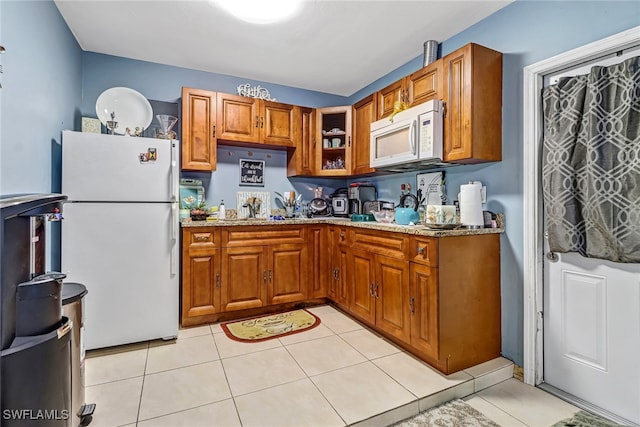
(526,32)
(41,94)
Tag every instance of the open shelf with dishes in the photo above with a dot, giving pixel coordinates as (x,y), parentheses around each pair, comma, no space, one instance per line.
(334,130)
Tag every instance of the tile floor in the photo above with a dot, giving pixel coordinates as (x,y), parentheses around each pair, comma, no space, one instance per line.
(337,374)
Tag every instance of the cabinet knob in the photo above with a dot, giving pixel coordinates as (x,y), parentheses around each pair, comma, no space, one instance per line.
(342,235)
(214,131)
(257,121)
(218,281)
(411,305)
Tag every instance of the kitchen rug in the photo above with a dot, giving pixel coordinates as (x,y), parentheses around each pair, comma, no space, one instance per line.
(271,326)
(585,419)
(456,413)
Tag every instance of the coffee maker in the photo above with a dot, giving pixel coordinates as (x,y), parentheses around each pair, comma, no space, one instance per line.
(358,194)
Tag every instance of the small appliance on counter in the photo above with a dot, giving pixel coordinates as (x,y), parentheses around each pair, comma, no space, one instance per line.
(359,193)
(340,203)
(318,207)
(471,197)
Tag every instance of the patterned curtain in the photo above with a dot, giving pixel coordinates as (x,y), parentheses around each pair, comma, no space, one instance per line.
(591,163)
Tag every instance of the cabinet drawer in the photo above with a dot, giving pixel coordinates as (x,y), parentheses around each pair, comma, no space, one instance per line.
(393,245)
(201,238)
(262,235)
(424,251)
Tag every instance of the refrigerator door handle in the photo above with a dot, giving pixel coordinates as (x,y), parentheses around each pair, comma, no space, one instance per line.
(173,239)
(173,173)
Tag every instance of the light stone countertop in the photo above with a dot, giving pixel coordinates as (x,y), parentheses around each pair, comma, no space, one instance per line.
(421,230)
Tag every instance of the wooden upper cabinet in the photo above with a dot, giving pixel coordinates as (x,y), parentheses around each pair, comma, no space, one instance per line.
(243,119)
(238,118)
(473,112)
(300,160)
(198,130)
(388,96)
(425,84)
(364,113)
(416,88)
(279,123)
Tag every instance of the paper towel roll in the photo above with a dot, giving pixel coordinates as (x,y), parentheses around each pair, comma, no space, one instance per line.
(471,205)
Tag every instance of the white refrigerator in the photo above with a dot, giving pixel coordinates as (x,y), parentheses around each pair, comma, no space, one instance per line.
(120,235)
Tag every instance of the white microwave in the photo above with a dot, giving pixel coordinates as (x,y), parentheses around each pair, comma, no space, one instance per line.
(413,139)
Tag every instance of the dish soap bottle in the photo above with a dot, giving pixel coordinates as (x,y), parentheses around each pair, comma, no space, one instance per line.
(221,211)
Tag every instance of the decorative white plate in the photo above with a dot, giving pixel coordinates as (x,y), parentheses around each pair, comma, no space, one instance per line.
(131,108)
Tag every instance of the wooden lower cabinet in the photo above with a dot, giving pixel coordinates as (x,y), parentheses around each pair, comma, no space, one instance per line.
(423,303)
(338,289)
(320,265)
(380,291)
(244,278)
(200,275)
(288,269)
(257,276)
(455,299)
(437,297)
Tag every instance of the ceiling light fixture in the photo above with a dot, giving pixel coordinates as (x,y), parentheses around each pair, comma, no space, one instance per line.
(260,11)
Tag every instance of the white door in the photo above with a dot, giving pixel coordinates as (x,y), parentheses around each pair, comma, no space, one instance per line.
(592,322)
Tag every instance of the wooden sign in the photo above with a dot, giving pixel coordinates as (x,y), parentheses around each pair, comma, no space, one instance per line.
(252,172)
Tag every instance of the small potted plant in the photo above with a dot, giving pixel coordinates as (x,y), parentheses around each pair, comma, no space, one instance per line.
(199,212)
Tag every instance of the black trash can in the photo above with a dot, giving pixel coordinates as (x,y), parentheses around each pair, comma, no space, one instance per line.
(36,386)
(39,304)
(72,297)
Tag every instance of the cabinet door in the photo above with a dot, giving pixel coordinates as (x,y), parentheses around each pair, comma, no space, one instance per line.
(200,276)
(198,130)
(320,270)
(473,96)
(333,129)
(388,96)
(244,278)
(425,84)
(300,160)
(287,281)
(361,281)
(238,118)
(364,113)
(338,289)
(424,309)
(279,124)
(391,291)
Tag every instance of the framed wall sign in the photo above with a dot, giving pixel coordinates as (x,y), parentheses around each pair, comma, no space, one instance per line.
(252,172)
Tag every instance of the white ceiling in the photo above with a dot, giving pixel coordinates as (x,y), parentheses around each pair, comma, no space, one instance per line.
(335,47)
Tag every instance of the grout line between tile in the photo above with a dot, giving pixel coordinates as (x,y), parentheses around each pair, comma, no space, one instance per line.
(499,408)
(144,376)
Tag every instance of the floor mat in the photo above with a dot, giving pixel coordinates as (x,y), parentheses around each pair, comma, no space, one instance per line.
(456,413)
(585,419)
(271,326)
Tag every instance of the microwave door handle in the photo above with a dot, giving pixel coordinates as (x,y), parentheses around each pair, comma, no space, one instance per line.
(412,131)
